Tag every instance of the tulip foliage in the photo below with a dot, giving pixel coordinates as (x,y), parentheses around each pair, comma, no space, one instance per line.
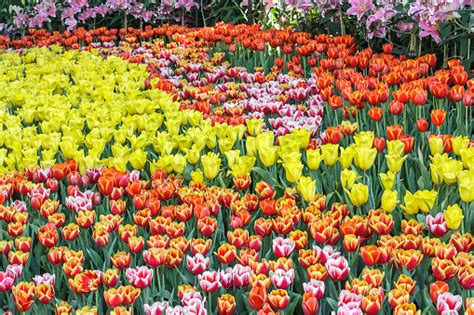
(155,172)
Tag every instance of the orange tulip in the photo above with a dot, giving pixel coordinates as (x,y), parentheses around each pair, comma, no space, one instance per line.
(44,293)
(23,295)
(279,299)
(394,132)
(226,253)
(226,304)
(113,297)
(436,288)
(370,254)
(257,297)
(437,117)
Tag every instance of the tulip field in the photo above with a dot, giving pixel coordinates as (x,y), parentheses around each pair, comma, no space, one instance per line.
(232,169)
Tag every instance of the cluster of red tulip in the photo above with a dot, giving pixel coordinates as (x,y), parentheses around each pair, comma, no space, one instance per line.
(278,252)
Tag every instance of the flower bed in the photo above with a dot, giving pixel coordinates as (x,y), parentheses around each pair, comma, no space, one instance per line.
(164,170)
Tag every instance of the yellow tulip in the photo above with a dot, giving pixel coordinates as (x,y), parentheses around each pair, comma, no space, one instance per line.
(179,163)
(348,178)
(395,147)
(467,158)
(118,162)
(138,159)
(411,205)
(251,145)
(364,157)
(231,156)
(466,185)
(330,153)
(460,143)
(453,216)
(293,171)
(254,126)
(436,145)
(165,162)
(243,165)
(193,155)
(450,170)
(197,176)
(211,140)
(359,194)
(265,140)
(211,164)
(268,155)
(307,188)
(426,199)
(346,157)
(395,162)
(364,139)
(194,117)
(226,144)
(388,180)
(290,156)
(313,158)
(389,200)
(302,137)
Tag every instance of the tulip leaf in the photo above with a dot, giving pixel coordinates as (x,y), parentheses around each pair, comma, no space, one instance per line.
(292,306)
(333,303)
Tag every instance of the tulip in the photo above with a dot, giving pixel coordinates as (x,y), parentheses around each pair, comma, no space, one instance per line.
(370,254)
(364,157)
(283,247)
(418,96)
(313,159)
(436,288)
(63,307)
(394,162)
(226,253)
(466,277)
(293,171)
(422,125)
(310,304)
(379,144)
(371,304)
(226,304)
(437,117)
(211,164)
(388,180)
(329,153)
(209,281)
(398,296)
(389,200)
(348,178)
(279,299)
(346,157)
(394,132)
(443,269)
(112,297)
(307,188)
(448,303)
(334,135)
(359,194)
(337,268)
(453,216)
(257,297)
(436,145)
(396,107)
(23,295)
(157,308)
(264,190)
(375,113)
(254,126)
